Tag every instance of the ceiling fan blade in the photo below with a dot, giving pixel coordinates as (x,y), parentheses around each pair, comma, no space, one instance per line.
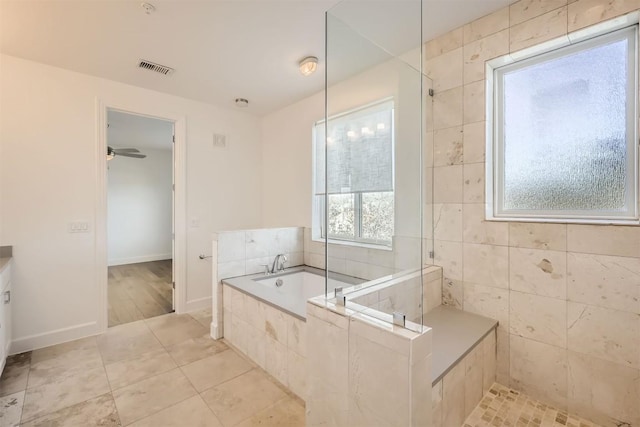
(136,156)
(126,150)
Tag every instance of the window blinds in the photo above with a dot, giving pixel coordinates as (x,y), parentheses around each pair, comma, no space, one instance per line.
(359,149)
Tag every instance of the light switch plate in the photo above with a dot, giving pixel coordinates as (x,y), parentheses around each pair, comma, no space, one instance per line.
(78,227)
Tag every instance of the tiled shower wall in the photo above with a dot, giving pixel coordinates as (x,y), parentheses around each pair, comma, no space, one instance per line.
(567,296)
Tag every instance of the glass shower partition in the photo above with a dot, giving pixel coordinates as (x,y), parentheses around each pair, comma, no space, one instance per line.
(372,196)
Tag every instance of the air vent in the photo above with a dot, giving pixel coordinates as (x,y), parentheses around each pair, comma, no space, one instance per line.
(151,66)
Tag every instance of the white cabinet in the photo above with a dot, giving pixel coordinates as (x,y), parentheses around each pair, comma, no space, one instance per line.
(5,315)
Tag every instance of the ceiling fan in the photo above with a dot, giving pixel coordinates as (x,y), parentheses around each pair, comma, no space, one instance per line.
(125,152)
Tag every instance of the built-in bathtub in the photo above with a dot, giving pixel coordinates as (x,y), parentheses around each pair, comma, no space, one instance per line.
(267,322)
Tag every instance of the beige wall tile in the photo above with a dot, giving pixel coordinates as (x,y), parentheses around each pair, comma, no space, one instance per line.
(605,281)
(502,357)
(452,293)
(474,142)
(607,393)
(448,146)
(297,336)
(421,393)
(447,108)
(604,240)
(473,187)
(448,255)
(488,301)
(539,318)
(540,370)
(444,43)
(256,346)
(370,393)
(276,324)
(297,378)
(477,230)
(473,365)
(275,359)
(608,334)
(489,361)
(537,30)
(474,102)
(538,272)
(489,24)
(448,222)
(445,70)
(478,52)
(583,13)
(538,236)
(448,182)
(524,10)
(486,265)
(453,396)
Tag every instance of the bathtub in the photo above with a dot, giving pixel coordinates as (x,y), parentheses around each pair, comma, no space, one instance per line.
(298,284)
(268,323)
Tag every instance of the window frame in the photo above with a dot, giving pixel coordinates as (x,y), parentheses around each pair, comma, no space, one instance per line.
(597,35)
(319,231)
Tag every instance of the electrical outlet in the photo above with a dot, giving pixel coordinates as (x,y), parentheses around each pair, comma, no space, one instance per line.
(78,227)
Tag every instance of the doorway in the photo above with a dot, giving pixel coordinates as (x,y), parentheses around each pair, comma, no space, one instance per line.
(140,216)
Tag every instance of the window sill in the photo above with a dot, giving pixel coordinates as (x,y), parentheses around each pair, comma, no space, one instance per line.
(354,244)
(585,221)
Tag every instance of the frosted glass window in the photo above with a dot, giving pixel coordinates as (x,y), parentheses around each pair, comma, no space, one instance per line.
(359,175)
(565,131)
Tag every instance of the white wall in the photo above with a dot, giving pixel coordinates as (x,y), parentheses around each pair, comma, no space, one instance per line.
(140,207)
(287,167)
(49,175)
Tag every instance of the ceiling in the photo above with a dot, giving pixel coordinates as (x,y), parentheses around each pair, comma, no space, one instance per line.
(133,131)
(221,50)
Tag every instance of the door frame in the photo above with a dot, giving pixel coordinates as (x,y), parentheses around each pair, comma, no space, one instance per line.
(179,207)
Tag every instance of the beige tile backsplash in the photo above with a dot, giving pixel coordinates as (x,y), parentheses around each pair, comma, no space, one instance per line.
(567,296)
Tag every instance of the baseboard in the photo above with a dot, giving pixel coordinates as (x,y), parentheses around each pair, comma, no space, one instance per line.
(58,336)
(137,259)
(198,304)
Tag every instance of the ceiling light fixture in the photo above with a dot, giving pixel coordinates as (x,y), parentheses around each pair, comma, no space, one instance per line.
(148,8)
(308,65)
(242,103)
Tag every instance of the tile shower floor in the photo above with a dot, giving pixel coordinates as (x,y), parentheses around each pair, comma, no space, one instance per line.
(164,371)
(502,406)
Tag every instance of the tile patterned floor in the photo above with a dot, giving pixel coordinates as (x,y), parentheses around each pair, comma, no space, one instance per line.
(502,406)
(164,371)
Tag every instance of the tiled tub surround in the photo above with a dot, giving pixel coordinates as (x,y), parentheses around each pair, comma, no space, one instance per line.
(364,371)
(273,339)
(567,296)
(242,252)
(367,263)
(403,294)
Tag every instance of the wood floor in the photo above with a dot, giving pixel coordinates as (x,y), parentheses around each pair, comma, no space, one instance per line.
(139,291)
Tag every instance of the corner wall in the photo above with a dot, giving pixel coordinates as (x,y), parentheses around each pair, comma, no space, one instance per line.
(49,166)
(570,334)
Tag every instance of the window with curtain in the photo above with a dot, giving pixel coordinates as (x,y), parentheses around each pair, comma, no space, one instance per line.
(360,175)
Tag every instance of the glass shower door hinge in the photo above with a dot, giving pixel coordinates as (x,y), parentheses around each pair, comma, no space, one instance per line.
(341,300)
(431,92)
(432,254)
(399,319)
